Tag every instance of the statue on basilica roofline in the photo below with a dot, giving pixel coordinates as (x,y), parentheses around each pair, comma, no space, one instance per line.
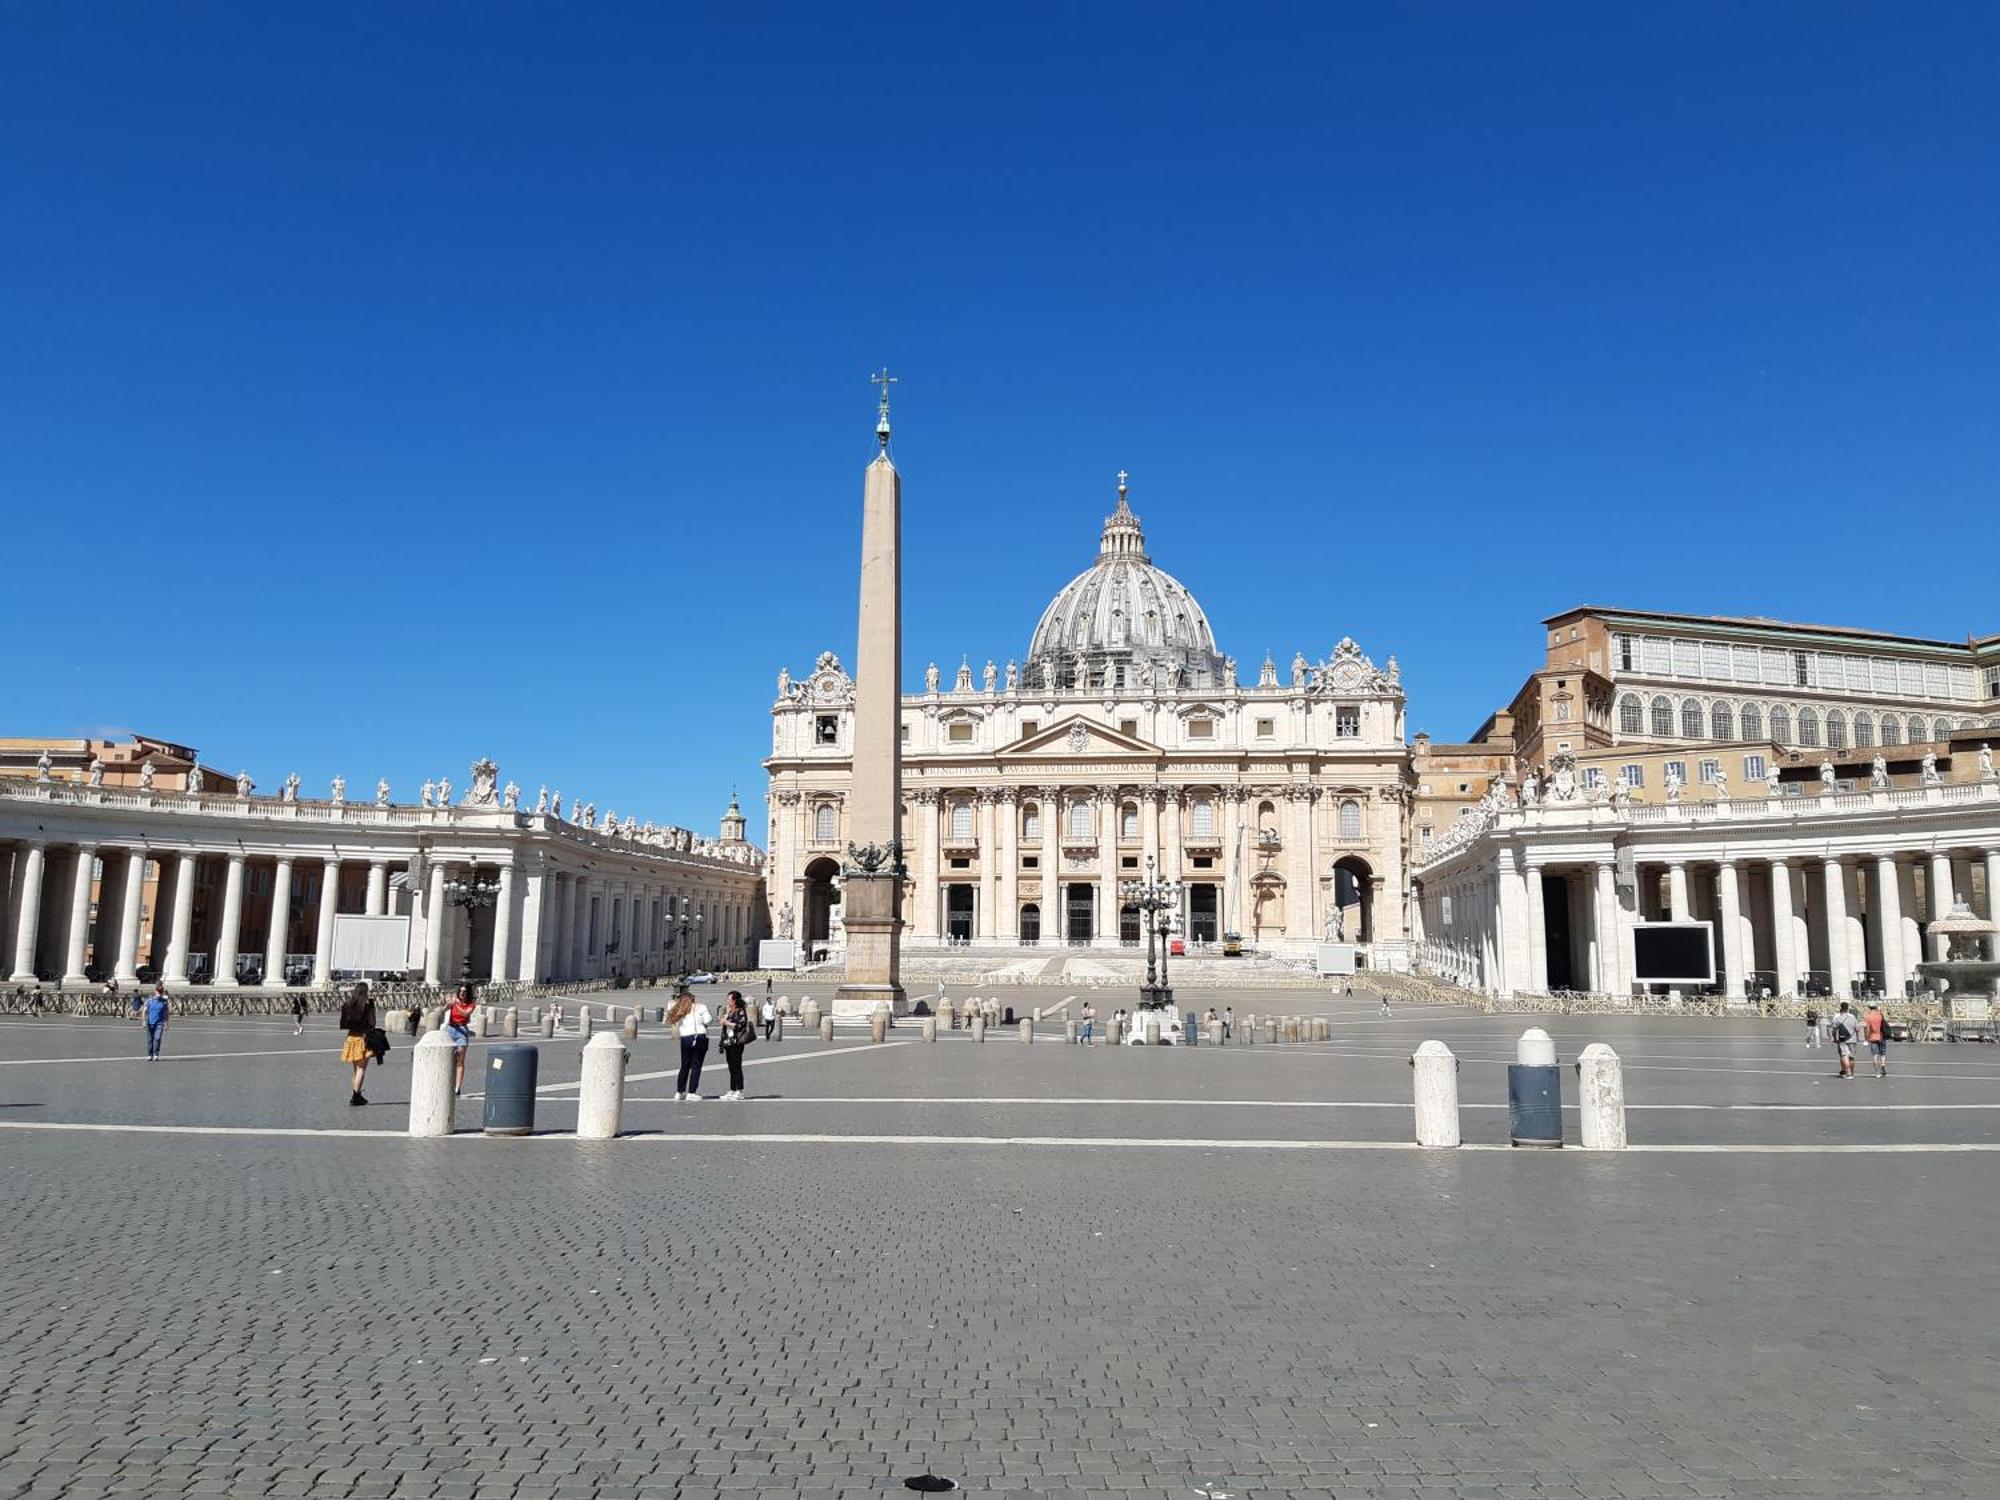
(1721,784)
(784,682)
(289,792)
(429,793)
(1986,763)
(244,785)
(1299,666)
(44,763)
(1013,676)
(146,774)
(444,791)
(931,678)
(382,791)
(1673,783)
(1229,671)
(1826,776)
(990,677)
(542,802)
(510,799)
(339,791)
(96,771)
(1878,775)
(196,781)
(1771,778)
(1531,788)
(1931,775)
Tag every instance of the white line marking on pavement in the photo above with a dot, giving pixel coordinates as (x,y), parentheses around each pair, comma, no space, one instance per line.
(1854,1108)
(29,1062)
(1182,1143)
(748,1062)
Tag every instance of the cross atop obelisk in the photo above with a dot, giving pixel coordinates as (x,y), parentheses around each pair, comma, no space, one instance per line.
(871,898)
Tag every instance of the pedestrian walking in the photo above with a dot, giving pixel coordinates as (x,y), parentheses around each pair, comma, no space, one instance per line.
(738,1032)
(1086,1031)
(415,1019)
(299,1014)
(768,1012)
(153,1011)
(1813,1037)
(111,990)
(1228,1023)
(1875,1027)
(690,1020)
(357,1019)
(1383,1008)
(1211,1026)
(458,1027)
(1845,1029)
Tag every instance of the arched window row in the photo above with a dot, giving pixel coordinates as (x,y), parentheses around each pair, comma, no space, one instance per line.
(1664,717)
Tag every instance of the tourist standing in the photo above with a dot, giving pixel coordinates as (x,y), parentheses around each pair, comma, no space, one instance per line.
(1875,1026)
(357,1019)
(690,1020)
(1228,1023)
(1845,1029)
(153,1011)
(299,1014)
(738,1032)
(1813,1038)
(458,1027)
(415,1019)
(768,1012)
(1211,1026)
(1087,1032)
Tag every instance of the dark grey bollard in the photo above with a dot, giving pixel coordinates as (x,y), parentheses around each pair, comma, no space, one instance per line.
(510,1089)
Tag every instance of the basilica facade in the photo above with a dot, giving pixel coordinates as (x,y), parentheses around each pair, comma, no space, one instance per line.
(1122,742)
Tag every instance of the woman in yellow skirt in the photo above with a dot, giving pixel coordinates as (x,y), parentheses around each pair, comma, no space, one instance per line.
(357,1019)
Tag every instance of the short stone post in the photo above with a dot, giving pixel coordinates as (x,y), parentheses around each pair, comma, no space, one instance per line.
(433,1019)
(510,1021)
(826,1028)
(1152,1028)
(430,1086)
(1027,1030)
(549,1022)
(785,1006)
(809,1014)
(481,1019)
(1534,1092)
(1069,1032)
(1270,1028)
(632,1027)
(600,1102)
(1535,1049)
(878,1025)
(1600,1089)
(1038,1015)
(1436,1073)
(929,1030)
(583,1010)
(947,1018)
(1114,1032)
(978,1027)
(583,1022)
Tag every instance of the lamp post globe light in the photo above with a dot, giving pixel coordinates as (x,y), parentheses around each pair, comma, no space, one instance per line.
(686,929)
(1158,902)
(469,894)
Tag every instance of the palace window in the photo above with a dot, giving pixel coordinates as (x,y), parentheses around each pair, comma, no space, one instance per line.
(1753,768)
(826,729)
(1781,725)
(1721,722)
(1266,728)
(961,820)
(1892,730)
(1347,722)
(1663,718)
(959,732)
(1836,730)
(1635,775)
(1631,713)
(1201,729)
(1864,729)
(1753,722)
(1350,818)
(1031,821)
(1628,656)
(1079,820)
(1801,669)
(1808,726)
(1709,771)
(1201,818)
(826,823)
(1919,730)
(1993,682)
(1691,719)
(1677,770)
(1593,778)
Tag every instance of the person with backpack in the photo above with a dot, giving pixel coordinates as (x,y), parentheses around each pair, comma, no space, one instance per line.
(357,1019)
(1875,1027)
(1846,1027)
(1813,1038)
(690,1021)
(299,1009)
(738,1032)
(458,1027)
(153,1011)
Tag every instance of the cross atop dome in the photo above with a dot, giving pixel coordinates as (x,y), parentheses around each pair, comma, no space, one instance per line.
(1122,534)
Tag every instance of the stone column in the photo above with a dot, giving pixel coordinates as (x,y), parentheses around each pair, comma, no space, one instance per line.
(1172,849)
(1538,931)
(579,935)
(1614,982)
(378,887)
(28,926)
(183,921)
(1888,914)
(1007,926)
(1993,885)
(1512,936)
(1052,903)
(329,905)
(78,932)
(503,926)
(1107,869)
(1913,931)
(1941,895)
(434,914)
(1677,890)
(562,961)
(985,916)
(229,941)
(275,941)
(1839,963)
(131,912)
(925,891)
(1729,915)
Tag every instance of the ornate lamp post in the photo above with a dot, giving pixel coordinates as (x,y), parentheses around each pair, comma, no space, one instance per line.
(468,895)
(687,928)
(1157,901)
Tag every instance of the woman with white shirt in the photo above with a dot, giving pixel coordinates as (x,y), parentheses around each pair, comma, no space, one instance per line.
(690,1021)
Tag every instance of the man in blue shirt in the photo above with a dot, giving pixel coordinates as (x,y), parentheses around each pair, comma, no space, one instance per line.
(154,1013)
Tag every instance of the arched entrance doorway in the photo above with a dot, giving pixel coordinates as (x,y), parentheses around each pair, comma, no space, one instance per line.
(1352,910)
(818,897)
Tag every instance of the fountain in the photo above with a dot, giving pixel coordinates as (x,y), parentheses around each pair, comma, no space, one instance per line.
(1967,973)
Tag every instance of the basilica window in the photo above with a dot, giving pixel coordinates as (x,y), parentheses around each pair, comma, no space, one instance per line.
(1129,726)
(1266,728)
(826,823)
(1031,821)
(1781,725)
(1892,730)
(1808,726)
(1753,722)
(1029,726)
(1128,821)
(1350,818)
(1201,818)
(1628,658)
(1691,719)
(959,733)
(1721,722)
(1201,729)
(1864,729)
(1663,718)
(1631,715)
(961,820)
(1347,722)
(1079,820)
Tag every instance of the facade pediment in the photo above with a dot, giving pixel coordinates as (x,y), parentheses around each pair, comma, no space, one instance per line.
(1075,736)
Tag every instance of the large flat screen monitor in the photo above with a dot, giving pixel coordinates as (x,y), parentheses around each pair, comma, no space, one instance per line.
(1673,953)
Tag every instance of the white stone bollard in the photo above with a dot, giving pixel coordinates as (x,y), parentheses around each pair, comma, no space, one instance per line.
(947,1018)
(583,1022)
(826,1028)
(785,1006)
(1027,1030)
(481,1021)
(1536,1050)
(1600,1088)
(1069,1032)
(878,1025)
(1114,1032)
(600,1103)
(1038,1015)
(978,1027)
(1436,1072)
(1152,1028)
(632,1027)
(510,1021)
(549,1022)
(431,1103)
(433,1019)
(930,1028)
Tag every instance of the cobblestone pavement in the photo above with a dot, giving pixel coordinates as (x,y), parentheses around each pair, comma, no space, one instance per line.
(329,1314)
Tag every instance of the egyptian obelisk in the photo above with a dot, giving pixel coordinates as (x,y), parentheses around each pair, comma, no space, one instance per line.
(871,899)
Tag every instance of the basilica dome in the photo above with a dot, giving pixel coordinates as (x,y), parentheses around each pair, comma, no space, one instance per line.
(1123,622)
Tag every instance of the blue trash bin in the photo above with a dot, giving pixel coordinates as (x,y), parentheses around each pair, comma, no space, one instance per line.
(1190,1029)
(1534,1105)
(510,1089)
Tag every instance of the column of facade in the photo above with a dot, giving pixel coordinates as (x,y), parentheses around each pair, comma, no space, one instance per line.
(1608,957)
(502,967)
(1107,867)
(10,867)
(1839,963)
(1536,918)
(1888,915)
(378,888)
(1784,953)
(434,914)
(131,912)
(1512,935)
(1940,901)
(1993,885)
(182,922)
(579,936)
(1298,864)
(1007,927)
(1913,931)
(562,939)
(78,931)
(1677,890)
(228,941)
(281,921)
(1729,913)
(927,887)
(1854,886)
(329,906)
(985,923)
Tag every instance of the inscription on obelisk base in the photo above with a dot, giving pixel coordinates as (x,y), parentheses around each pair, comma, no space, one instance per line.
(871,894)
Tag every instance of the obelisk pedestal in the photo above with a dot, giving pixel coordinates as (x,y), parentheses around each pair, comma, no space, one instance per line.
(871,895)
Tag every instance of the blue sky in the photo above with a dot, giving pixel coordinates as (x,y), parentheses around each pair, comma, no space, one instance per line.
(382,386)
